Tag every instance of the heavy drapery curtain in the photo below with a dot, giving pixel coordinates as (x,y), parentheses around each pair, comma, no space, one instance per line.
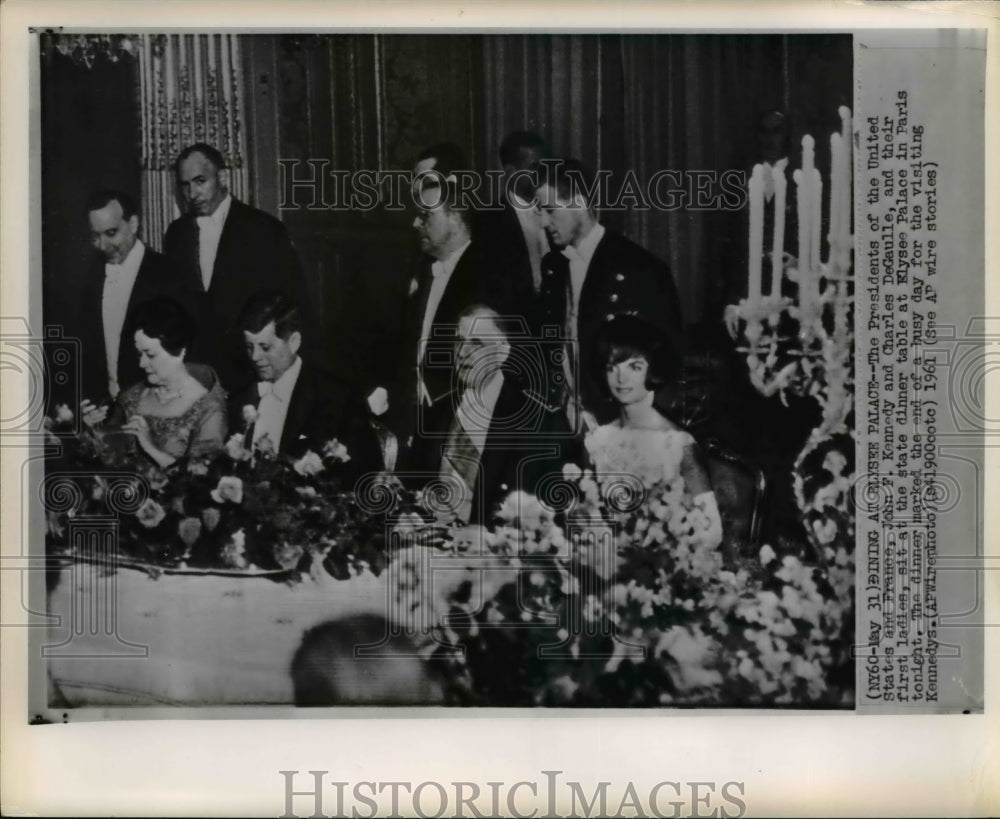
(190,90)
(644,103)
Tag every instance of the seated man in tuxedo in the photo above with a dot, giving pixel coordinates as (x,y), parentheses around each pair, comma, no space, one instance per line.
(124,274)
(296,406)
(490,435)
(592,276)
(228,251)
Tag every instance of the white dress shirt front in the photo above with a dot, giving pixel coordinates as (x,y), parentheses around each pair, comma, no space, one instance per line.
(475,410)
(209,233)
(273,407)
(442,270)
(579,260)
(535,238)
(119,279)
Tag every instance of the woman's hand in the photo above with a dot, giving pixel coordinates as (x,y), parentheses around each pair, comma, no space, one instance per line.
(139,427)
(92,415)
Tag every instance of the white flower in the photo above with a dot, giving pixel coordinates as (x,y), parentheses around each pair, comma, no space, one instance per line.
(766,554)
(250,414)
(265,447)
(572,472)
(236,449)
(150,513)
(64,415)
(336,450)
(309,464)
(230,488)
(234,552)
(378,401)
(307,492)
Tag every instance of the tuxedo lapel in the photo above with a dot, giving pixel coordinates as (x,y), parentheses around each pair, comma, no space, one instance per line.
(228,243)
(299,406)
(596,272)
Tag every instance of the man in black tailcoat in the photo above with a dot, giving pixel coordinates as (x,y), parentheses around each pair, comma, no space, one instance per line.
(593,275)
(455,274)
(511,229)
(124,274)
(229,251)
(294,404)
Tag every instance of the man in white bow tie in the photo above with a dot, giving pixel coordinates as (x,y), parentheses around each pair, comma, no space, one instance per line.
(124,274)
(228,251)
(294,406)
(593,275)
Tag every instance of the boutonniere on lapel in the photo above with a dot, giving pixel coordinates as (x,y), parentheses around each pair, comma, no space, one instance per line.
(414,286)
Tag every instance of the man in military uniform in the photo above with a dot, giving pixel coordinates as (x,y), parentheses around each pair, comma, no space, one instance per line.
(593,275)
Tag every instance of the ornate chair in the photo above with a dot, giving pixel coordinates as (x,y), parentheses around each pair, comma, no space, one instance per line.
(739,490)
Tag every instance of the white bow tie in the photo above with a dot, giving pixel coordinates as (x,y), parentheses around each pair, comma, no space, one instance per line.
(571,253)
(113,271)
(267,388)
(205,221)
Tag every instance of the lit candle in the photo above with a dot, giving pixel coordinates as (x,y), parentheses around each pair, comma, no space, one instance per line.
(804,214)
(847,169)
(835,236)
(816,221)
(780,183)
(756,231)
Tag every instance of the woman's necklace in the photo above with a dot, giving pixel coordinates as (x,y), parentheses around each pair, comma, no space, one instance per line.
(165,395)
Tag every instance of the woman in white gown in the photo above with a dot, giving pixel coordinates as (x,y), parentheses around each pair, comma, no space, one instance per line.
(643,445)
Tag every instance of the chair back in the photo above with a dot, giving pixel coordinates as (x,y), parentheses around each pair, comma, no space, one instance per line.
(739,491)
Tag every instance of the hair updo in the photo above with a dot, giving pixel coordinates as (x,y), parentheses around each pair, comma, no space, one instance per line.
(164,319)
(628,336)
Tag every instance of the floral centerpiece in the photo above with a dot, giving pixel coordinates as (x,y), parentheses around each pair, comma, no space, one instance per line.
(246,509)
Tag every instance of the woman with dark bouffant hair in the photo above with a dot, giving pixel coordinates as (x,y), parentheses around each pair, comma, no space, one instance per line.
(179,411)
(633,359)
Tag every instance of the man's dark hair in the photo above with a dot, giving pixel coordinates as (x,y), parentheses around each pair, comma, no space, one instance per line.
(515,142)
(168,321)
(435,192)
(270,305)
(568,177)
(628,336)
(447,156)
(101,199)
(328,669)
(206,150)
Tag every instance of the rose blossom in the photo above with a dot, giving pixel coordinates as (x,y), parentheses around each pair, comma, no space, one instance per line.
(150,514)
(198,467)
(234,552)
(236,449)
(189,530)
(309,464)
(64,415)
(336,450)
(250,414)
(230,488)
(265,447)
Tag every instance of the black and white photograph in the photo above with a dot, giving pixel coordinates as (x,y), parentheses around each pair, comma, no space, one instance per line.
(457,377)
(468,370)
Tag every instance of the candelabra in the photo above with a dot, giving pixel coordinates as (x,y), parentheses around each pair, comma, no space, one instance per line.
(804,345)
